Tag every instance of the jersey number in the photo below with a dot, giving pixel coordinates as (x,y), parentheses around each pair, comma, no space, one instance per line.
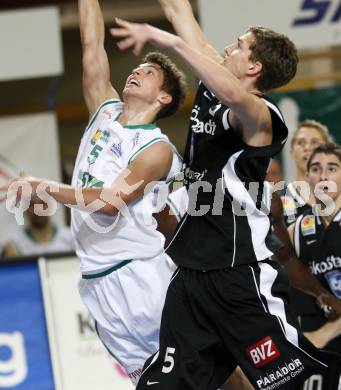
(94,153)
(169,360)
(315,382)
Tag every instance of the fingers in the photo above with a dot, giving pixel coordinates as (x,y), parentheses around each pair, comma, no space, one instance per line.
(122,22)
(126,43)
(118,32)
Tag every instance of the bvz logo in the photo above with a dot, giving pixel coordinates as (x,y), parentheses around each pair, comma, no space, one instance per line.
(317,10)
(263,352)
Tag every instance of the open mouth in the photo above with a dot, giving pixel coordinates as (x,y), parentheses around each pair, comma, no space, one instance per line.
(133,82)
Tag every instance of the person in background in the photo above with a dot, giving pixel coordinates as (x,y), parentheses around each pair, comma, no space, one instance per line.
(316,238)
(40,235)
(296,196)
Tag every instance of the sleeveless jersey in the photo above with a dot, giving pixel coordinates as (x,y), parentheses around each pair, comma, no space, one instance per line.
(319,247)
(227,223)
(107,148)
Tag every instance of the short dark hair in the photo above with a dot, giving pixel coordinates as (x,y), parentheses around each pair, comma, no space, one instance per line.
(318,126)
(328,148)
(174,82)
(278,56)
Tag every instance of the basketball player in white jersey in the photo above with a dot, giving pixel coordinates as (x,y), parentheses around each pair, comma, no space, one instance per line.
(120,179)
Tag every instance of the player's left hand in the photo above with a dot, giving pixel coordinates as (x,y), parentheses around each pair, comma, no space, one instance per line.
(16,188)
(136,35)
(330,305)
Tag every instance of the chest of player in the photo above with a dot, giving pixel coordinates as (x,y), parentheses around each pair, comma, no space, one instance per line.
(106,152)
(211,139)
(321,250)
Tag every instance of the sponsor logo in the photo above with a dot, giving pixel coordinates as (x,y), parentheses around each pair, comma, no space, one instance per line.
(116,148)
(280,375)
(136,139)
(289,205)
(135,374)
(334,281)
(309,242)
(314,12)
(86,180)
(190,175)
(263,352)
(149,383)
(199,126)
(105,136)
(108,113)
(96,137)
(13,360)
(321,267)
(308,225)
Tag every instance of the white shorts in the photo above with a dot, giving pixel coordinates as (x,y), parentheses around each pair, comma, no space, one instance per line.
(127,306)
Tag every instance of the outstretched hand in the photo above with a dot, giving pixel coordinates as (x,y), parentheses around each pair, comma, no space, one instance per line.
(136,35)
(18,187)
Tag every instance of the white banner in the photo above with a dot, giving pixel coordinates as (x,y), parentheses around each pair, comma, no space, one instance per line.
(79,359)
(29,143)
(30,41)
(309,23)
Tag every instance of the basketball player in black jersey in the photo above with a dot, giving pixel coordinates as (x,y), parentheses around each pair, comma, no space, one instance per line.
(226,304)
(316,236)
(296,196)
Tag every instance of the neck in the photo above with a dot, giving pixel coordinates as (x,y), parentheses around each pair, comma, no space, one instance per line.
(136,112)
(300,175)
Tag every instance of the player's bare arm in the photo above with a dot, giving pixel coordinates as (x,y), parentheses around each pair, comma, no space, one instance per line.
(96,71)
(180,14)
(151,165)
(250,113)
(299,275)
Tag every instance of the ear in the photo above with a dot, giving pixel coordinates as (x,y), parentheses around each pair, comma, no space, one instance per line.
(255,68)
(164,98)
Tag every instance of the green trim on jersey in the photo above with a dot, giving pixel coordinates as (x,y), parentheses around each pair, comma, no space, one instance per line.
(106,272)
(149,126)
(92,120)
(145,146)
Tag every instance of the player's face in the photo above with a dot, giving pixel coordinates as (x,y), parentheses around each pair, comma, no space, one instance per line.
(307,139)
(38,221)
(324,176)
(145,81)
(238,54)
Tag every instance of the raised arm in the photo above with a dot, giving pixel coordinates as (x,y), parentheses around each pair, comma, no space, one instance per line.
(250,113)
(180,14)
(149,166)
(96,71)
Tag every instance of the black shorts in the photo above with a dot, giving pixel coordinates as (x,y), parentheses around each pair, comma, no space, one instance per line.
(214,321)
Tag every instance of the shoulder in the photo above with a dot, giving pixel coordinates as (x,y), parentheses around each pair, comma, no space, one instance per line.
(108,109)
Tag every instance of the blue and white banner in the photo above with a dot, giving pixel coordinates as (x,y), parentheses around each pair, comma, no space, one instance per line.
(309,23)
(24,352)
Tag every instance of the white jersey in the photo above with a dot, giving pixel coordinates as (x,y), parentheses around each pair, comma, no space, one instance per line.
(25,244)
(107,148)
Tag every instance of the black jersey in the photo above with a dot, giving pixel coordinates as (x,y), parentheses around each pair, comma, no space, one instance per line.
(225,180)
(293,204)
(319,247)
